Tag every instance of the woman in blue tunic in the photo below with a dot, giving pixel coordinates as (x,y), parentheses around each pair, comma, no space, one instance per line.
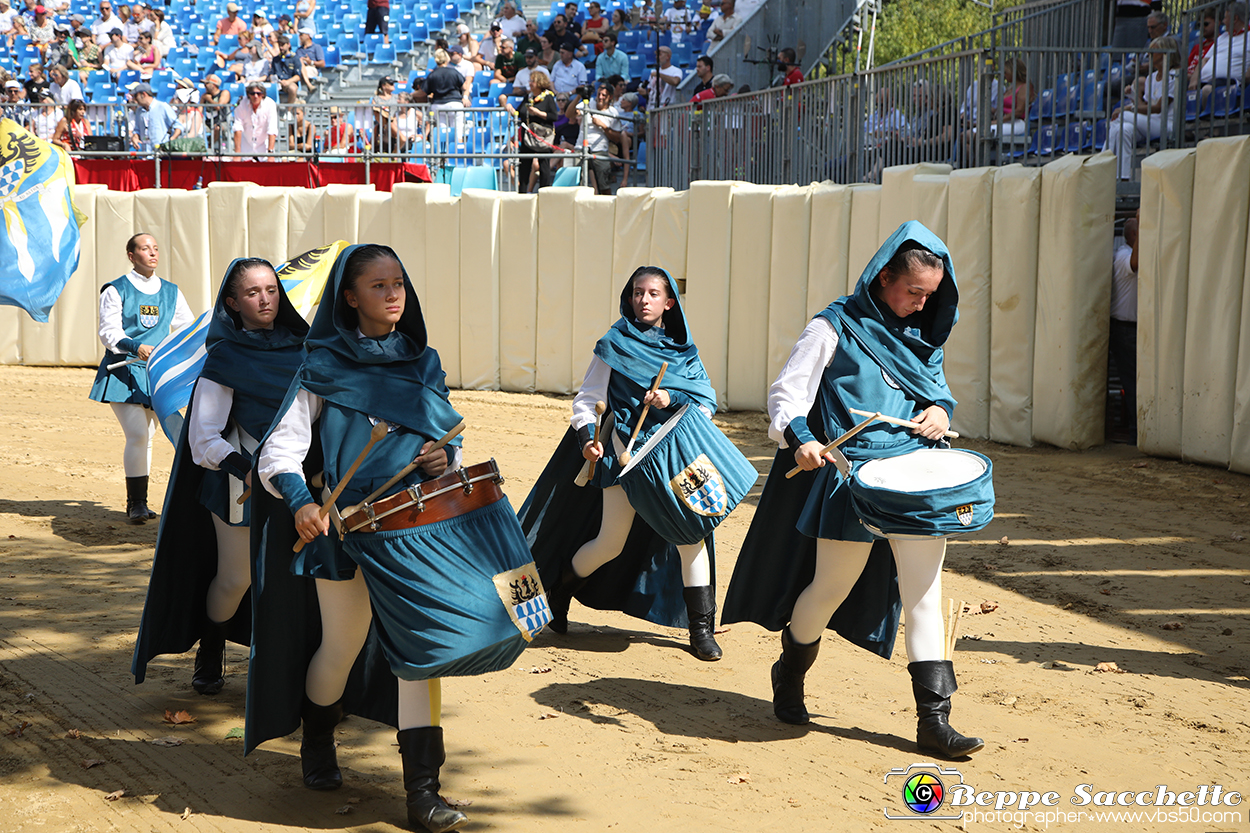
(574,532)
(202,567)
(879,349)
(426,599)
(137,311)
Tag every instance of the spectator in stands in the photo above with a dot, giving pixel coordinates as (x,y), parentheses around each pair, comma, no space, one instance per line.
(377,18)
(255,122)
(488,48)
(726,23)
(1206,38)
(1011,120)
(117,54)
(622,135)
(702,24)
(596,27)
(36,83)
(703,71)
(64,88)
(568,74)
(595,136)
(678,18)
(571,13)
(104,25)
(263,35)
(788,66)
(15,103)
(216,103)
(231,24)
(44,119)
(128,26)
(448,92)
(620,22)
(40,30)
(286,69)
(529,38)
(312,58)
(1123,342)
(74,127)
(1227,58)
(719,86)
(510,22)
(1130,30)
(508,63)
(304,21)
(1157,24)
(468,44)
(144,19)
(886,122)
(537,113)
(560,36)
(612,61)
(286,27)
(521,84)
(410,122)
(11,23)
(299,133)
(144,57)
(255,66)
(340,137)
(162,33)
(59,52)
(664,79)
(1152,110)
(186,104)
(79,31)
(155,121)
(239,55)
(461,65)
(385,126)
(932,136)
(547,54)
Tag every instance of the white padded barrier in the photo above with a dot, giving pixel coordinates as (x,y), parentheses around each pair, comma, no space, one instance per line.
(518,292)
(967,352)
(787,287)
(305,220)
(596,297)
(479,289)
(558,208)
(227,224)
(670,225)
(441,301)
(867,234)
(750,257)
(268,216)
(707,276)
(828,245)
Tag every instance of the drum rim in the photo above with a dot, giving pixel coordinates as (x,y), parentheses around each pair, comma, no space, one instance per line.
(654,440)
(857,483)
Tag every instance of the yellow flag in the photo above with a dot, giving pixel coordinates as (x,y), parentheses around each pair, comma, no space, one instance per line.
(304,276)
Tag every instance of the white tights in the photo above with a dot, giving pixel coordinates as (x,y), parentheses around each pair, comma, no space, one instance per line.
(234,570)
(838,567)
(139,426)
(618,517)
(345,618)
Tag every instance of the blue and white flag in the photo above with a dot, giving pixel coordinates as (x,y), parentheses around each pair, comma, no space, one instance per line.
(40,241)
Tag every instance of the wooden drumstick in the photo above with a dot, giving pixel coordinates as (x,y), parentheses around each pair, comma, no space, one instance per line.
(378,432)
(629,448)
(792,472)
(247,493)
(406,470)
(587,470)
(904,423)
(124,363)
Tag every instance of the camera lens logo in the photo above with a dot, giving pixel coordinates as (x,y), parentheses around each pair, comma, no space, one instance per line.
(923,793)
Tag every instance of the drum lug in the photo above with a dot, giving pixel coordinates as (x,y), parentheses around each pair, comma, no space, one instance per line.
(464,479)
(373,522)
(415,493)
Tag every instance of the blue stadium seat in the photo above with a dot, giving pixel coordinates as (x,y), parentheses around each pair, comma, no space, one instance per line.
(1046,140)
(370,43)
(1078,138)
(385,54)
(567,176)
(1100,134)
(333,56)
(1225,101)
(478,176)
(637,66)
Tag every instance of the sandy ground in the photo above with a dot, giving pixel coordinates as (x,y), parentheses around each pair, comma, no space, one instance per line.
(1100,557)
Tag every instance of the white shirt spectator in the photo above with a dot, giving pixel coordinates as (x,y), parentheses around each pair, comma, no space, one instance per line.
(64,95)
(1123,284)
(565,79)
(512,28)
(521,83)
(664,96)
(725,24)
(255,125)
(163,37)
(1226,58)
(6,21)
(115,57)
(679,18)
(254,69)
(101,29)
(44,120)
(596,139)
(486,50)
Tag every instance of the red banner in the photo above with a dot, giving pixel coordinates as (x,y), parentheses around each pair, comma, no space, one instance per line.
(135,174)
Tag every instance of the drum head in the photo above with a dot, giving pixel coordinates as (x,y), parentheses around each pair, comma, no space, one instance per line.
(925,470)
(655,439)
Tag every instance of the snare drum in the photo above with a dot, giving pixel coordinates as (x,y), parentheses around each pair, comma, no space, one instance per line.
(455,493)
(930,493)
(687,478)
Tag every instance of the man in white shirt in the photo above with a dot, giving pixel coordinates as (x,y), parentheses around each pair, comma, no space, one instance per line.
(117,53)
(1227,57)
(64,88)
(664,80)
(596,137)
(569,73)
(726,23)
(104,24)
(461,64)
(521,83)
(255,122)
(1123,340)
(510,23)
(678,17)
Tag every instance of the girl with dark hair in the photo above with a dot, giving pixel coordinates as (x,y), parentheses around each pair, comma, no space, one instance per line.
(201,569)
(413,587)
(573,532)
(137,311)
(74,127)
(807,562)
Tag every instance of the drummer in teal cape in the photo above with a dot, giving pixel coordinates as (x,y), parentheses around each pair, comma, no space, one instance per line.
(574,532)
(137,311)
(421,600)
(202,567)
(879,349)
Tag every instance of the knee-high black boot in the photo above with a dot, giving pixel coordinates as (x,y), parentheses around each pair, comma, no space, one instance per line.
(561,596)
(208,677)
(701,610)
(788,675)
(316,751)
(933,683)
(137,510)
(423,755)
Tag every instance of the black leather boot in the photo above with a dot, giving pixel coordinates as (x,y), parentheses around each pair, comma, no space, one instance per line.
(701,610)
(788,673)
(137,510)
(423,755)
(933,683)
(560,597)
(316,750)
(207,677)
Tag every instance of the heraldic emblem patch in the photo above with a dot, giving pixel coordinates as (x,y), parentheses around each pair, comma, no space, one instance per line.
(521,592)
(701,488)
(149,315)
